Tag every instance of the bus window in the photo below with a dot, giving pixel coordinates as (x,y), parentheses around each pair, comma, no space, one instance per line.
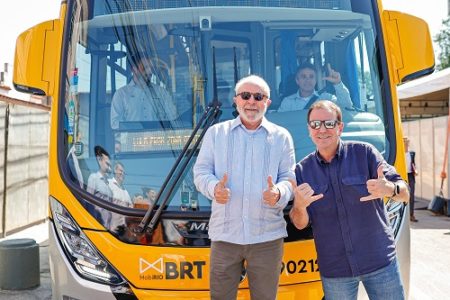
(144,80)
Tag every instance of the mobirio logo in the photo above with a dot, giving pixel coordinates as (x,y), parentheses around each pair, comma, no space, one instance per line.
(160,269)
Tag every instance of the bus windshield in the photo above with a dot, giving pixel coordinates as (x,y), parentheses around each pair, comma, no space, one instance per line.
(140,74)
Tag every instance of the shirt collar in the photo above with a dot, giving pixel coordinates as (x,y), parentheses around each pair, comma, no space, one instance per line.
(309,97)
(114,181)
(268,126)
(103,178)
(339,153)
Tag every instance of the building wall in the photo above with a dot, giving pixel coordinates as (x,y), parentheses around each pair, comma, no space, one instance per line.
(27,167)
(428,138)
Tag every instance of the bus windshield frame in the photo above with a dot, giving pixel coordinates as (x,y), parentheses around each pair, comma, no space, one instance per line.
(186,48)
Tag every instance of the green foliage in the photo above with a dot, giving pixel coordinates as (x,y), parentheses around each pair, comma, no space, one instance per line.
(443,39)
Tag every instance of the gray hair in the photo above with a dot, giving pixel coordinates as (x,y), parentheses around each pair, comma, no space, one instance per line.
(254,80)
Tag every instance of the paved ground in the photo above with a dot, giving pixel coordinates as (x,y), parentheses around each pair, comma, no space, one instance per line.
(430,259)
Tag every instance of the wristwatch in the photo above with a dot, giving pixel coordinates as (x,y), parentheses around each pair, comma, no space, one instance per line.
(396,190)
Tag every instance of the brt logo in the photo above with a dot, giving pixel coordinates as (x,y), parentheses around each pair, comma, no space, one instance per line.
(171,270)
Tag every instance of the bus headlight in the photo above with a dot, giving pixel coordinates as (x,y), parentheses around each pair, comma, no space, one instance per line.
(395,212)
(81,252)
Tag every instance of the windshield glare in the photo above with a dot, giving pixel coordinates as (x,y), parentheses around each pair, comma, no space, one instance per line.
(140,78)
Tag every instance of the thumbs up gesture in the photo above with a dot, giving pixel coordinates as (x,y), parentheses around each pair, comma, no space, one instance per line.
(272,194)
(378,188)
(221,192)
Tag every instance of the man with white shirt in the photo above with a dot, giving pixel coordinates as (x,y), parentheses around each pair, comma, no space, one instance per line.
(141,99)
(306,79)
(247,182)
(120,194)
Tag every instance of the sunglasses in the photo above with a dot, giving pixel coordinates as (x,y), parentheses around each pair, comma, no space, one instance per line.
(329,124)
(247,95)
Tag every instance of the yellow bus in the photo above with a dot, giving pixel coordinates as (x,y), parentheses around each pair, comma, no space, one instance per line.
(126,221)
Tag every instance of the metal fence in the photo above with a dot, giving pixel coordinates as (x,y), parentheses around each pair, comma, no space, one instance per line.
(24,136)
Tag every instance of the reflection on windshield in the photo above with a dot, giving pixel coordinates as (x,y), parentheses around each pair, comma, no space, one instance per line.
(139,82)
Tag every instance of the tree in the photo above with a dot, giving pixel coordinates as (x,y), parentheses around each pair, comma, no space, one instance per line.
(443,39)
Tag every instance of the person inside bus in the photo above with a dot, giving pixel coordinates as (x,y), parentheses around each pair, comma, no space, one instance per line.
(141,99)
(120,194)
(247,182)
(149,195)
(339,192)
(138,198)
(98,183)
(306,79)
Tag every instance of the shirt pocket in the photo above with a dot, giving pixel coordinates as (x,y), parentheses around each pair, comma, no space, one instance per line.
(324,207)
(354,186)
(321,189)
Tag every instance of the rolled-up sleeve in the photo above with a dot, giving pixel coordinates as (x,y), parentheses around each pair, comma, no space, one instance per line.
(204,177)
(342,95)
(286,172)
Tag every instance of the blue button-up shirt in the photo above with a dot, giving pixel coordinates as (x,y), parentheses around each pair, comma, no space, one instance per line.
(352,237)
(248,157)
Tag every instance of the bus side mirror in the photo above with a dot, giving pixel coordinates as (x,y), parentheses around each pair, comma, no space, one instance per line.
(35,63)
(409,42)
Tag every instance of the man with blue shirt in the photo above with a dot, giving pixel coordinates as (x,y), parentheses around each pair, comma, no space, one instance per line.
(306,79)
(340,194)
(244,167)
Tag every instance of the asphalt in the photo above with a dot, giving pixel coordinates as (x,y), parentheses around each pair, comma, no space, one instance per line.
(430,258)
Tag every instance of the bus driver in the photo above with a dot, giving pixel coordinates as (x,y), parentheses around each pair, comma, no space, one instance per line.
(141,99)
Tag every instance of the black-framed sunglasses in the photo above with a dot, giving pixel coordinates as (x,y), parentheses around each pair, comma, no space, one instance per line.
(329,124)
(247,95)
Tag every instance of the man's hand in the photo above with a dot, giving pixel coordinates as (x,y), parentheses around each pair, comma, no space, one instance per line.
(221,192)
(272,194)
(333,76)
(378,188)
(304,195)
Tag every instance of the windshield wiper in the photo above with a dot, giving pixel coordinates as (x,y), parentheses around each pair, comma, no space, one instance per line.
(209,118)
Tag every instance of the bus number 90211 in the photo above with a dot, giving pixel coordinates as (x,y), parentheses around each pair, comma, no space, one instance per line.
(300,266)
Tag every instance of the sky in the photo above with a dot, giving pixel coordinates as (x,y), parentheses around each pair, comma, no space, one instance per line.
(432,11)
(19,15)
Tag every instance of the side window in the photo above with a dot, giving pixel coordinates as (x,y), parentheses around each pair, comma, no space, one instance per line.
(369,93)
(232,62)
